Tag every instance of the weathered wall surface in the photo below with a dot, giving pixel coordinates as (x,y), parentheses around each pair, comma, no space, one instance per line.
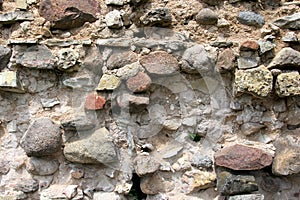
(137,99)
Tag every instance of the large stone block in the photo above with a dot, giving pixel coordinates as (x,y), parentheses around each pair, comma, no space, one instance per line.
(288,84)
(9,82)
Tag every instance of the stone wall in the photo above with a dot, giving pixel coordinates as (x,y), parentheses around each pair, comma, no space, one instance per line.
(149,99)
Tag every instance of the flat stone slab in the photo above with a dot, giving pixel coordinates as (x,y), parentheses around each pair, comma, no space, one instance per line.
(241,157)
(9,82)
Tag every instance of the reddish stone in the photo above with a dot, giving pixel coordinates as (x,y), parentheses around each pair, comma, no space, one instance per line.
(241,157)
(249,45)
(94,102)
(66,14)
(160,63)
(225,60)
(139,83)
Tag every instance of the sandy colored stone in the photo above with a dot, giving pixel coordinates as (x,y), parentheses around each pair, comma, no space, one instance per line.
(108,82)
(10,82)
(288,84)
(198,180)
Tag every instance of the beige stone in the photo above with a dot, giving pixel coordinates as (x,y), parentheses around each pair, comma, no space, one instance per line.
(288,84)
(108,82)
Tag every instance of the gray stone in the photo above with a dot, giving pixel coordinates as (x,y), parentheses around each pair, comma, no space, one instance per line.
(230,184)
(114,2)
(289,22)
(202,161)
(212,2)
(257,81)
(9,81)
(36,56)
(4,167)
(290,37)
(145,165)
(79,82)
(42,138)
(286,161)
(49,103)
(27,185)
(207,17)
(157,17)
(113,19)
(288,84)
(42,167)
(67,58)
(16,16)
(198,59)
(133,102)
(156,183)
(108,195)
(251,128)
(248,63)
(5,54)
(286,57)
(251,19)
(61,192)
(118,60)
(265,46)
(247,197)
(78,123)
(97,148)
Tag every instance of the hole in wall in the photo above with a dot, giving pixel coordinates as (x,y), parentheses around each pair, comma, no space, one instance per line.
(136,193)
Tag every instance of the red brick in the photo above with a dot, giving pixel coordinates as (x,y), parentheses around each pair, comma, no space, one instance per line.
(94,102)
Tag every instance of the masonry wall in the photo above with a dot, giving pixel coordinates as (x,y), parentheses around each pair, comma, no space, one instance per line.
(137,99)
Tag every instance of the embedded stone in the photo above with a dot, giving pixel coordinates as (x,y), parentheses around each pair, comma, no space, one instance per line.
(114,2)
(42,138)
(79,122)
(289,22)
(241,157)
(202,161)
(286,58)
(145,165)
(16,16)
(251,19)
(257,81)
(247,197)
(67,14)
(198,180)
(251,128)
(118,60)
(249,45)
(97,148)
(61,192)
(49,103)
(266,47)
(21,4)
(108,82)
(286,160)
(225,60)
(113,19)
(41,166)
(248,62)
(9,82)
(231,184)
(156,183)
(290,37)
(67,58)
(108,195)
(139,83)
(288,84)
(157,17)
(132,102)
(35,56)
(27,185)
(207,17)
(94,102)
(160,63)
(198,59)
(5,54)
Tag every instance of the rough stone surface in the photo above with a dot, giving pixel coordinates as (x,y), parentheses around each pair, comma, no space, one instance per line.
(247,62)
(132,102)
(247,197)
(241,157)
(118,60)
(207,17)
(288,84)
(251,128)
(113,19)
(97,148)
(225,60)
(9,81)
(198,180)
(67,58)
(42,167)
(78,122)
(108,195)
(251,19)
(28,185)
(145,165)
(36,56)
(257,81)
(16,16)
(139,83)
(108,82)
(230,184)
(114,2)
(42,138)
(289,22)
(5,54)
(157,17)
(286,58)
(160,63)
(286,161)
(198,59)
(156,183)
(67,14)
(59,192)
(249,45)
(202,161)
(94,102)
